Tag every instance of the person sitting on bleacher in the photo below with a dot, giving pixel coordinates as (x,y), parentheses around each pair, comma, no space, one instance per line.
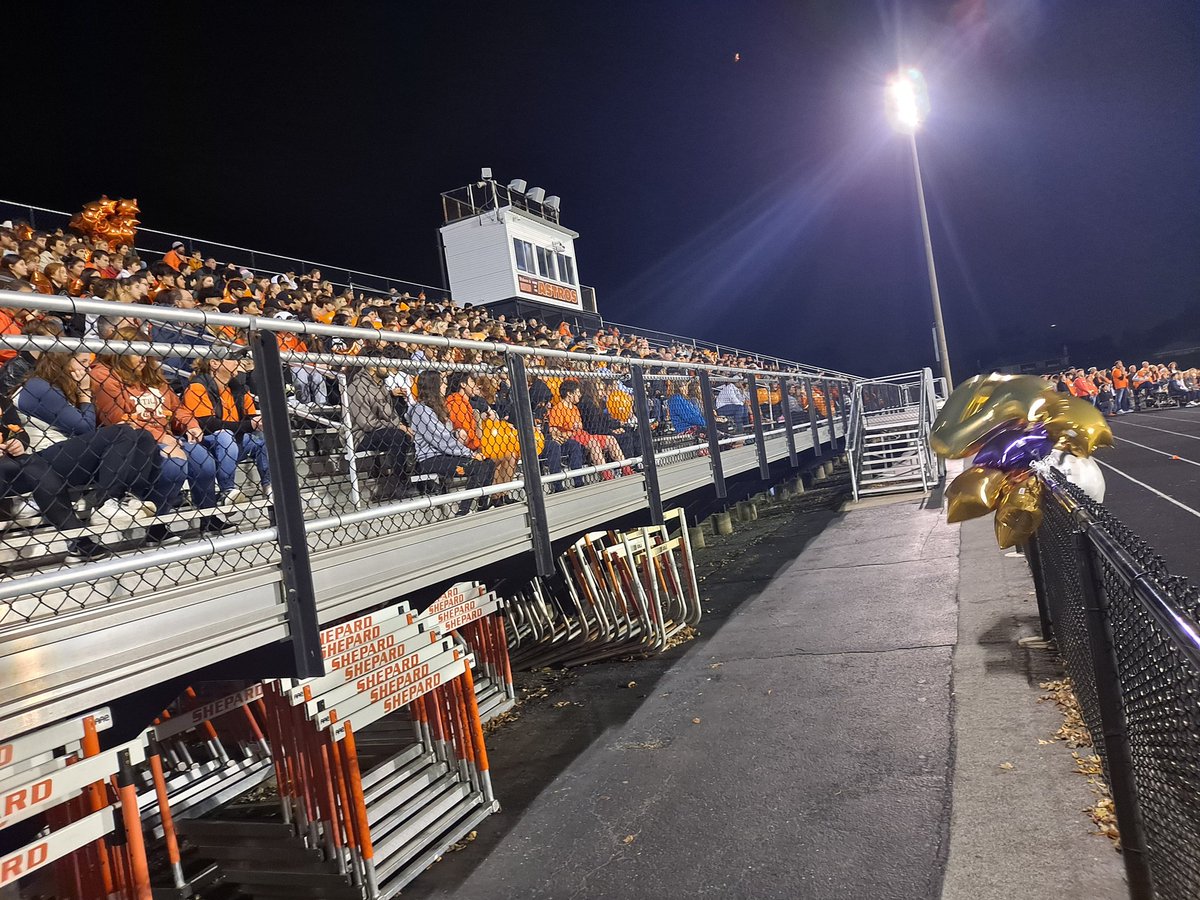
(119,463)
(462,392)
(231,423)
(566,424)
(378,428)
(25,472)
(131,389)
(598,422)
(439,449)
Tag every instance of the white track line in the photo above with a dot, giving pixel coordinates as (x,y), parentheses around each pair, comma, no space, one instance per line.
(1163,430)
(1176,419)
(1155,491)
(1159,452)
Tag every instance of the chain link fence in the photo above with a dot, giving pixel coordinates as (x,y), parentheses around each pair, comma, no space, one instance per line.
(149,448)
(1129,633)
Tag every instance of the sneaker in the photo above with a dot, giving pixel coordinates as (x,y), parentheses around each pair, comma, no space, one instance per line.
(233,498)
(84,549)
(26,509)
(160,535)
(213,525)
(607,475)
(113,514)
(141,510)
(626,470)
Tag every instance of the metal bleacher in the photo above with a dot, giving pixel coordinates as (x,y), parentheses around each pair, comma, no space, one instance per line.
(74,636)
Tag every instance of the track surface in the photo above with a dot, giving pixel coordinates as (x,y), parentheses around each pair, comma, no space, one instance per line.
(1153,476)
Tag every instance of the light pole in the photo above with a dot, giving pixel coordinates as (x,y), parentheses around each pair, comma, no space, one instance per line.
(908,104)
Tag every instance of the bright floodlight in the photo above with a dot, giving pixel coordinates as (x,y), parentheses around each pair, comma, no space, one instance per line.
(908,100)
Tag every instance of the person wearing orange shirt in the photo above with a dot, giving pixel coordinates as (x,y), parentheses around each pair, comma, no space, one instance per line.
(1120,385)
(231,424)
(461,389)
(174,256)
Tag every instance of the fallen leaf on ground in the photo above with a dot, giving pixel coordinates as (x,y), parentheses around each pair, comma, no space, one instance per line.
(629,839)
(695,721)
(1007,765)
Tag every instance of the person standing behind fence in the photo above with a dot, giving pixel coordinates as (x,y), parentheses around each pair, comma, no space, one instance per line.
(439,451)
(231,423)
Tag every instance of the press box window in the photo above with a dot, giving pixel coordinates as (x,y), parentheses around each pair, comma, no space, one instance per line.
(566,269)
(524,254)
(545,260)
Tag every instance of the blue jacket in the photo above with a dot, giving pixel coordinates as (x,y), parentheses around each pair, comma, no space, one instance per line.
(685,414)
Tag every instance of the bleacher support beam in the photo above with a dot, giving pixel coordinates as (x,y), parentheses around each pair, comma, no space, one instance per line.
(714,439)
(298,587)
(646,439)
(788,424)
(539,525)
(760,443)
(812,417)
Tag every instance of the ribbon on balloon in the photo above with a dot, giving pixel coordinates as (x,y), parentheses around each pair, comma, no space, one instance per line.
(1015,426)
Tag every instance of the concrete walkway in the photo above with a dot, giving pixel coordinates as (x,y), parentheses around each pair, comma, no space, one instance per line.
(1019,831)
(806,748)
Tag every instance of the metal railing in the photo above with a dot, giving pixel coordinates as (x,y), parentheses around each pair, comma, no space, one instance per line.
(332,454)
(1129,633)
(891,395)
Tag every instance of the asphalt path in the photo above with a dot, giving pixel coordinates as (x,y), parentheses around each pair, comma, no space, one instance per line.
(1153,482)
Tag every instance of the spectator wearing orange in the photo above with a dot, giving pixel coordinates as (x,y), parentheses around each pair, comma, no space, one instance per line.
(566,423)
(230,421)
(1120,384)
(174,256)
(462,394)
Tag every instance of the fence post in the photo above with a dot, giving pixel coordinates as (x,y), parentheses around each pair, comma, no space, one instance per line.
(786,403)
(1112,721)
(714,441)
(646,438)
(1033,555)
(301,597)
(760,444)
(531,471)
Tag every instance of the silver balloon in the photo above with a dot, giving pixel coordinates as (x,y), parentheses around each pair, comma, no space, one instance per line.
(1081,471)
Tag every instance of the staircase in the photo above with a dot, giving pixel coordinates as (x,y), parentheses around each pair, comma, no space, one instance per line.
(888,444)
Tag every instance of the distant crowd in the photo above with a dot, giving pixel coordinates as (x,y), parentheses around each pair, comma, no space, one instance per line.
(1122,389)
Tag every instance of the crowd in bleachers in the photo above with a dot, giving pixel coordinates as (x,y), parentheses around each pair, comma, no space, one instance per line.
(116,442)
(1122,389)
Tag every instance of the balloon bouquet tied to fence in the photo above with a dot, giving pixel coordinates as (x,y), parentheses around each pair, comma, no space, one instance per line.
(1016,426)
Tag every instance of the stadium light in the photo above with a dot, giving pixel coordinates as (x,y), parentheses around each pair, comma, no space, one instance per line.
(537,194)
(517,185)
(908,107)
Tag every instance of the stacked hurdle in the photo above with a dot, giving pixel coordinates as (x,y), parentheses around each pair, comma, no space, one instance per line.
(91,846)
(380,763)
(470,612)
(207,767)
(617,593)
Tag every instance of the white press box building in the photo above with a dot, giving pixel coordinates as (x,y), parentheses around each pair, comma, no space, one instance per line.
(505,243)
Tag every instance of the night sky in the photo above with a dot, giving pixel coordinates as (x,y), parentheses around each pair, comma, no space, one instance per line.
(764,202)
